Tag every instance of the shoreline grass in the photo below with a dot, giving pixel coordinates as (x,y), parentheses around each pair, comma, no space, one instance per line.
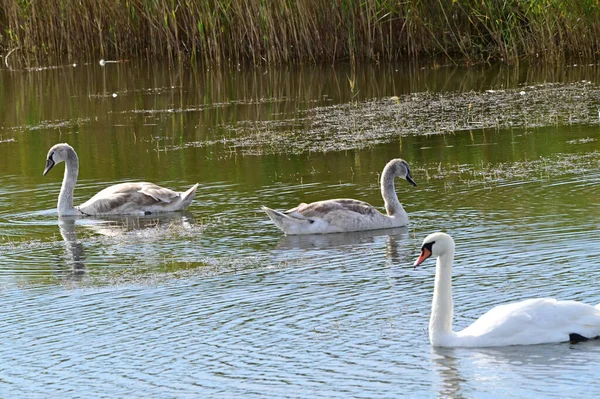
(262,32)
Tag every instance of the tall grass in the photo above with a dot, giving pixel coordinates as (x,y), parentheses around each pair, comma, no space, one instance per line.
(273,32)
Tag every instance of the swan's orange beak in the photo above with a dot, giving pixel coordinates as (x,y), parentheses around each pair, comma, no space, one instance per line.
(425,253)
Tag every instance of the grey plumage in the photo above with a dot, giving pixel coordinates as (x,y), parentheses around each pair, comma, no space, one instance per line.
(344,215)
(120,199)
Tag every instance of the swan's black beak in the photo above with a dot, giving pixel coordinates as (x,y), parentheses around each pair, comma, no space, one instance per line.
(425,253)
(410,180)
(49,165)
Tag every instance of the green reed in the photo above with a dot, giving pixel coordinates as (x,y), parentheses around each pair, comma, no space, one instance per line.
(231,32)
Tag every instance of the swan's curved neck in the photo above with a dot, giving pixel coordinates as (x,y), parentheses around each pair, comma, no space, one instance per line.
(442,308)
(65,198)
(388,192)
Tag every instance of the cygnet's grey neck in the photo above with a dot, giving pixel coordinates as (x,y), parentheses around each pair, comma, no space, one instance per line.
(388,192)
(65,198)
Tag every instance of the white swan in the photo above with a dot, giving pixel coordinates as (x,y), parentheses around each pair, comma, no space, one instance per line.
(121,199)
(344,215)
(533,321)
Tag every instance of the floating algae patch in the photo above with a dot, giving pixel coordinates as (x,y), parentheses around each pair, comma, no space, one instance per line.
(586,167)
(58,124)
(358,125)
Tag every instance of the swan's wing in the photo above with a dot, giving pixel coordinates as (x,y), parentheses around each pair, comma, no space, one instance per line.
(321,209)
(127,198)
(331,216)
(159,193)
(535,321)
(338,215)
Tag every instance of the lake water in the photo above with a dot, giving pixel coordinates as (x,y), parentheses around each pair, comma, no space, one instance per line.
(217,302)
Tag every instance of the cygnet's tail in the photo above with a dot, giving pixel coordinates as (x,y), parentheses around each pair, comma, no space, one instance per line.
(188,196)
(277,217)
(288,224)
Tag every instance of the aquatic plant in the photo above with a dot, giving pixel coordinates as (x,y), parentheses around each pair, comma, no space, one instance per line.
(235,32)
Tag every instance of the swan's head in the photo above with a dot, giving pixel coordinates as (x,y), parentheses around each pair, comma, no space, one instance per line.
(58,153)
(434,245)
(399,167)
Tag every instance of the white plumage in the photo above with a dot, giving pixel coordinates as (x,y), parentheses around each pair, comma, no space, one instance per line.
(533,321)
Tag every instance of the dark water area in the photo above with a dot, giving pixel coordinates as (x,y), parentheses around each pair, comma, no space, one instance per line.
(216,301)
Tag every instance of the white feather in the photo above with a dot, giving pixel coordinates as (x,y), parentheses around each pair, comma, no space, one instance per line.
(532,321)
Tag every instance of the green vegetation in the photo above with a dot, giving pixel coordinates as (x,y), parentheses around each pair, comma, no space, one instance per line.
(228,32)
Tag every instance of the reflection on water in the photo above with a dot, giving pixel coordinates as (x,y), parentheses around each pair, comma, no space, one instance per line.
(541,369)
(215,302)
(114,226)
(74,248)
(392,241)
(446,366)
(309,241)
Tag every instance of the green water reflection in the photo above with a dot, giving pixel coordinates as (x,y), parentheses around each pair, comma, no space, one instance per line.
(173,127)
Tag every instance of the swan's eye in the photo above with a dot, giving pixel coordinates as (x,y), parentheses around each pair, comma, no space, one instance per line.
(428,246)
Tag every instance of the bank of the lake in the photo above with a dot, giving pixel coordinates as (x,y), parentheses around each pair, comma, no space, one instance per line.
(257,32)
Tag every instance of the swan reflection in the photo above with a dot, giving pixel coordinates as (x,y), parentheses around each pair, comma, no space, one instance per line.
(458,367)
(114,227)
(393,238)
(74,249)
(445,364)
(333,240)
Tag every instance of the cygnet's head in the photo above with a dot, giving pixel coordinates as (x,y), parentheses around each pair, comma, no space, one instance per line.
(58,153)
(399,167)
(434,245)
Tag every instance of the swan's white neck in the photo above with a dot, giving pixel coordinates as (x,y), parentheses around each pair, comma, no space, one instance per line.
(442,308)
(65,198)
(388,192)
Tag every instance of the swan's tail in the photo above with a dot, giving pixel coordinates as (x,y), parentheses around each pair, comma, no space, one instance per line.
(188,196)
(287,223)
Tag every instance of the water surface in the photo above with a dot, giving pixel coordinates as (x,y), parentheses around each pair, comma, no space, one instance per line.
(215,301)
